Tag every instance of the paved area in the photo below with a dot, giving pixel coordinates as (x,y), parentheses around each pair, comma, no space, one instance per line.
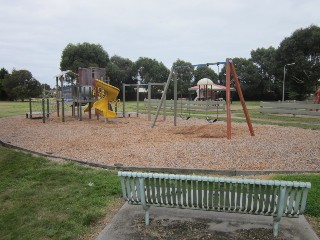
(173,223)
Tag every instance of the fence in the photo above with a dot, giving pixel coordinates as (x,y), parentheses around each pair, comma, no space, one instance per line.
(294,108)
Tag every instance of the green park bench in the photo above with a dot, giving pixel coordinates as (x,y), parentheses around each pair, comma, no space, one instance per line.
(232,195)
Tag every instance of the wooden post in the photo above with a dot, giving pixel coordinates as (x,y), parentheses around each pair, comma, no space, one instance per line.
(228,99)
(73,91)
(123,100)
(30,108)
(43,111)
(62,109)
(58,108)
(175,97)
(244,107)
(90,101)
(80,103)
(48,107)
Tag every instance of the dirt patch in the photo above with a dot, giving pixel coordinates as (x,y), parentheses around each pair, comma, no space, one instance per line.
(166,229)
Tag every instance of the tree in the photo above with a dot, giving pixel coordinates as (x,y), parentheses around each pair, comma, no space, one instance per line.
(248,76)
(46,90)
(3,73)
(119,70)
(3,94)
(150,70)
(21,85)
(83,55)
(185,77)
(264,60)
(205,72)
(303,49)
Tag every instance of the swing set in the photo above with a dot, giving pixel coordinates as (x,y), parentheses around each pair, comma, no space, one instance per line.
(230,71)
(204,106)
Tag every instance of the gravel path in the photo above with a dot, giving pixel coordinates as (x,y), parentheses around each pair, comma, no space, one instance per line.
(192,144)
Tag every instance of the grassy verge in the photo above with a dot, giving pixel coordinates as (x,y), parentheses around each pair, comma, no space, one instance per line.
(40,199)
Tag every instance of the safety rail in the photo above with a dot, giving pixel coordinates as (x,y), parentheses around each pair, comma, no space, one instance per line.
(232,195)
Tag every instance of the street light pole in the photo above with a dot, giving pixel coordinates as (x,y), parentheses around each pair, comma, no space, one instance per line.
(284,78)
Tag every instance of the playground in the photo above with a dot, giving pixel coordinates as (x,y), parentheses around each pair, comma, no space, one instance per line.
(193,144)
(155,139)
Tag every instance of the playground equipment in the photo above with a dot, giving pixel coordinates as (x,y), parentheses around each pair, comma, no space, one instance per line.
(77,91)
(103,105)
(138,86)
(230,69)
(41,108)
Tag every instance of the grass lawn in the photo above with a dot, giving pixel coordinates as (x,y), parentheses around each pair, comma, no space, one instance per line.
(13,108)
(41,199)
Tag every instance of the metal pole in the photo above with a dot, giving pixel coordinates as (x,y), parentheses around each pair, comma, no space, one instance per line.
(163,96)
(284,79)
(138,100)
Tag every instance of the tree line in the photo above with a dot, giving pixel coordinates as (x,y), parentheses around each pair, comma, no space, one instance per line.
(261,76)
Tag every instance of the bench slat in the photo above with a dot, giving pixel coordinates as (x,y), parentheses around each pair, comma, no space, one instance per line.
(297,202)
(292,198)
(147,188)
(184,193)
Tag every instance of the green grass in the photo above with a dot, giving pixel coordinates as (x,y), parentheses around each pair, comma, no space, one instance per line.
(305,119)
(41,199)
(313,200)
(13,108)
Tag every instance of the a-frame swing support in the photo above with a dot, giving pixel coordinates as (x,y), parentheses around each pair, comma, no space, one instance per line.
(230,69)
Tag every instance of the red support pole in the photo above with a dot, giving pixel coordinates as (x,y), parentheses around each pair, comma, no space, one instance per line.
(228,99)
(244,107)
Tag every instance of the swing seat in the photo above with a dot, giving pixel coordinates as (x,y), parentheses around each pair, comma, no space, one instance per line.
(185,118)
(209,120)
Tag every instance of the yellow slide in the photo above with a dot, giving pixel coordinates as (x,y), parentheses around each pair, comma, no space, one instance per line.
(102,105)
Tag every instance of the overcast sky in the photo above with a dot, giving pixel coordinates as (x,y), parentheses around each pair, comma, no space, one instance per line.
(33,33)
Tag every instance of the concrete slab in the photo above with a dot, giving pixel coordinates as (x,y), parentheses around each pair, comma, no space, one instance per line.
(175,223)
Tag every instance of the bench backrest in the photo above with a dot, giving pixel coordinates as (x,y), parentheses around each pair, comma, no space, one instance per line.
(213,193)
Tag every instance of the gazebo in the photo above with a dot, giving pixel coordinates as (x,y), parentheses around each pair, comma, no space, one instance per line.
(207,90)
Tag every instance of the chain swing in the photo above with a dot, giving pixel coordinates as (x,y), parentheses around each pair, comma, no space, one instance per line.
(188,108)
(209,120)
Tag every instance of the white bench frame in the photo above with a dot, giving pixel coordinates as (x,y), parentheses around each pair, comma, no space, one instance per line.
(232,195)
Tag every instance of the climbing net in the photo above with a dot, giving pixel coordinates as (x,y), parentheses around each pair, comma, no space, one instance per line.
(38,106)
